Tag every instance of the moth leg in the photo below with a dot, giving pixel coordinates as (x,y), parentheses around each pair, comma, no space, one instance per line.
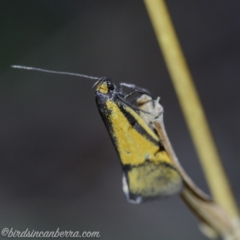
(132,106)
(131,93)
(135,88)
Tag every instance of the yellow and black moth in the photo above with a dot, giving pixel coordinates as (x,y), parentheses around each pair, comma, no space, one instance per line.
(148,171)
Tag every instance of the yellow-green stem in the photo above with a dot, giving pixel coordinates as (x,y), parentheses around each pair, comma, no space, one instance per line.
(191,105)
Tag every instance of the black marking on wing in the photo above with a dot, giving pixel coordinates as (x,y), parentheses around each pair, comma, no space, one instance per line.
(134,123)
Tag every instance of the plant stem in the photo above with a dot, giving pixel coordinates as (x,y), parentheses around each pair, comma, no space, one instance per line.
(191,106)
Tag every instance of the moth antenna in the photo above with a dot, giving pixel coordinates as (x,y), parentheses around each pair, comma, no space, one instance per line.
(54,72)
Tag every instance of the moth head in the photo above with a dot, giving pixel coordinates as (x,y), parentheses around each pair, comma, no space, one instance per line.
(105,85)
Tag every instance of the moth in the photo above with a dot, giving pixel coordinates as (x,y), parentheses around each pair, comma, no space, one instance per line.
(148,171)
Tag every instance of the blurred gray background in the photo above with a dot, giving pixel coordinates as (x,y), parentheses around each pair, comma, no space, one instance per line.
(58,166)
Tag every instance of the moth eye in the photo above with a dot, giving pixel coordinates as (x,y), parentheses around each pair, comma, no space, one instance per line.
(110,86)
